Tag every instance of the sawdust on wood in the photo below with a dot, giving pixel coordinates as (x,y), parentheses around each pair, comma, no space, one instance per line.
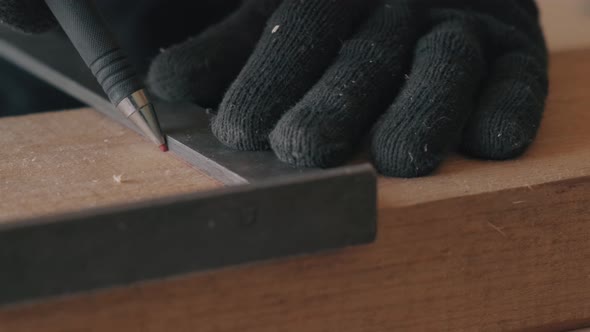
(118,178)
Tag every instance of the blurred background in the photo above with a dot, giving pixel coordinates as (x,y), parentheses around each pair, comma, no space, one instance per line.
(142,26)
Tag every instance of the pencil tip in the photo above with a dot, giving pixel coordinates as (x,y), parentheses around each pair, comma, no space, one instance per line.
(164,148)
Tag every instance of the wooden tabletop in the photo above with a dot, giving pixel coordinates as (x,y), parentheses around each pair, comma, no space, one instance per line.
(59,162)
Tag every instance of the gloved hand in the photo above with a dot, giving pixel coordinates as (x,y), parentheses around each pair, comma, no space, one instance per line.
(311,78)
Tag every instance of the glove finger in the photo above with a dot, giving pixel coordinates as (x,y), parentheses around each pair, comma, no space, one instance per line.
(201,68)
(323,129)
(414,135)
(512,102)
(300,41)
(29,16)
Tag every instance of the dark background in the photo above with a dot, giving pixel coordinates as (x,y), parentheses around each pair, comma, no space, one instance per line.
(143,28)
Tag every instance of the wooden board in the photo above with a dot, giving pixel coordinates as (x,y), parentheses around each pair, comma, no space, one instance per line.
(483,246)
(467,264)
(61,162)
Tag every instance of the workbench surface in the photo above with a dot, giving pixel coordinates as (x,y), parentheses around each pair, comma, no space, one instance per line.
(62,162)
(484,246)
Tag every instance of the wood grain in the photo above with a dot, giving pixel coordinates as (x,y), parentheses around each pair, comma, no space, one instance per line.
(61,162)
(467,264)
(504,257)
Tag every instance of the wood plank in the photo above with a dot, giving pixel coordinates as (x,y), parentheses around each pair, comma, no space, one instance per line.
(61,162)
(505,257)
(465,264)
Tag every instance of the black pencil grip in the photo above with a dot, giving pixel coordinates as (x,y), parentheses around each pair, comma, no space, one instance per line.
(97,45)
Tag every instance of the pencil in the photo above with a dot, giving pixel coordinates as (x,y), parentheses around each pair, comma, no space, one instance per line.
(100,51)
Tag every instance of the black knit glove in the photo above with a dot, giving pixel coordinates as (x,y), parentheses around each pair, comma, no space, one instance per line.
(311,78)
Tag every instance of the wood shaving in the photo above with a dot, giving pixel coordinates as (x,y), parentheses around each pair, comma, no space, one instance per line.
(497,229)
(118,178)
